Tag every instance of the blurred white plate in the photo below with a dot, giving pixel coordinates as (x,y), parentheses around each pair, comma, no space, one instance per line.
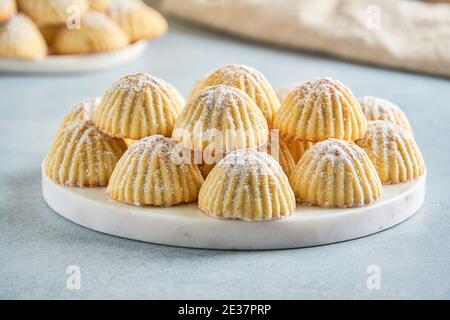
(75,63)
(187,226)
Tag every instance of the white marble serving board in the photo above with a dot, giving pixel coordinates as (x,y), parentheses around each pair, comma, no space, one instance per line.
(75,63)
(187,226)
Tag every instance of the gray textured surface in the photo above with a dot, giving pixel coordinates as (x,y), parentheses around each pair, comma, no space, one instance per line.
(37,245)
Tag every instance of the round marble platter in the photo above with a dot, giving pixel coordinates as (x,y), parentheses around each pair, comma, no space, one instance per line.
(187,226)
(75,63)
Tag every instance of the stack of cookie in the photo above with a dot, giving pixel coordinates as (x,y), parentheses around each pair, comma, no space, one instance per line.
(34,29)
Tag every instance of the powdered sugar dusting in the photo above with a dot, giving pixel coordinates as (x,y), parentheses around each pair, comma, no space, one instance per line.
(234,71)
(319,89)
(385,130)
(138,82)
(335,149)
(153,145)
(89,131)
(243,161)
(217,101)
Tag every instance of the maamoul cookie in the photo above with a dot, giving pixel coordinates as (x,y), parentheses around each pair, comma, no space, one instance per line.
(138,20)
(152,173)
(221,119)
(247,185)
(139,105)
(45,12)
(320,109)
(20,39)
(335,173)
(98,33)
(99,5)
(83,156)
(380,109)
(297,147)
(82,111)
(7,9)
(393,151)
(249,80)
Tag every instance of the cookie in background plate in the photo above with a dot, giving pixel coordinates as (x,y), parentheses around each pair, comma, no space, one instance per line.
(138,20)
(97,33)
(21,39)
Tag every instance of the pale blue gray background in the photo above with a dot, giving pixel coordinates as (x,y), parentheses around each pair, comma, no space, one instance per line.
(36,245)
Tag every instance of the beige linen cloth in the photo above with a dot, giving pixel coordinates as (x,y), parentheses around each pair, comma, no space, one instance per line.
(402,34)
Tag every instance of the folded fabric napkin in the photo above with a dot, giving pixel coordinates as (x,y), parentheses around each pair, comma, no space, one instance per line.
(404,34)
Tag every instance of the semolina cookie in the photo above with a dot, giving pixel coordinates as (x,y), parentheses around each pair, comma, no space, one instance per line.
(380,109)
(247,185)
(249,80)
(393,151)
(137,106)
(153,173)
(83,156)
(97,33)
(138,20)
(320,109)
(20,38)
(336,173)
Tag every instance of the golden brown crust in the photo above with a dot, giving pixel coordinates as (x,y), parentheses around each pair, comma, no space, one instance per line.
(97,33)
